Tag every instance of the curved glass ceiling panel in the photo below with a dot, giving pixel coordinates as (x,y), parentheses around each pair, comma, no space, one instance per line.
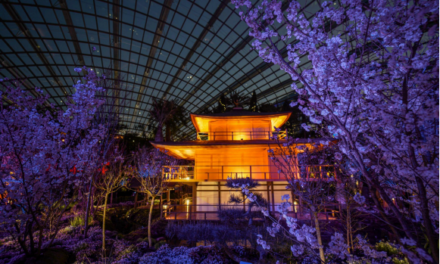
(188,51)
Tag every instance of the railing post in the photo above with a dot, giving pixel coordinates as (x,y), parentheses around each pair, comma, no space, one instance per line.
(250,171)
(265,175)
(307,173)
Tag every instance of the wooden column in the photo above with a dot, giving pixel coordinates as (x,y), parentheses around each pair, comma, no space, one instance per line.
(273,198)
(219,197)
(268,196)
(293,200)
(194,196)
(168,196)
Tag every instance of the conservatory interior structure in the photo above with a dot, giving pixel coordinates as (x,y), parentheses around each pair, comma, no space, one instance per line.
(190,52)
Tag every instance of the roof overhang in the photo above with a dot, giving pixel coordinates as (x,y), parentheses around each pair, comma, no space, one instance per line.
(201,122)
(187,150)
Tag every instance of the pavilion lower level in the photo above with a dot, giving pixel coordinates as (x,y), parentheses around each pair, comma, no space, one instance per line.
(209,197)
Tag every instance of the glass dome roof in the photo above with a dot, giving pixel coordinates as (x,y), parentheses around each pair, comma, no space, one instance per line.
(188,51)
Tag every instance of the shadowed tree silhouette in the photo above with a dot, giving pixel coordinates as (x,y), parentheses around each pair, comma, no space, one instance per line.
(222,104)
(236,99)
(267,108)
(162,111)
(253,102)
(175,121)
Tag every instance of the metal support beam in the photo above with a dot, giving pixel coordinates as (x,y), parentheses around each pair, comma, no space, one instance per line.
(241,81)
(156,41)
(72,32)
(199,40)
(227,58)
(18,76)
(13,13)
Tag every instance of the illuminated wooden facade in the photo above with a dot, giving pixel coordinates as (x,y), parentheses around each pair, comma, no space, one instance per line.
(233,144)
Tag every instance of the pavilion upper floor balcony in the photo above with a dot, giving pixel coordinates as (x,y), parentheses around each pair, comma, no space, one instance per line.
(255,172)
(241,135)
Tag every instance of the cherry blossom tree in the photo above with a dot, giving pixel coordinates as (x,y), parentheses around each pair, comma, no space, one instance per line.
(106,115)
(373,85)
(43,154)
(310,177)
(149,178)
(111,181)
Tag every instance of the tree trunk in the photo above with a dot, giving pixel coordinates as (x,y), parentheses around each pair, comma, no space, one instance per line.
(402,220)
(244,202)
(86,222)
(429,230)
(159,134)
(103,223)
(383,215)
(249,215)
(31,236)
(149,221)
(348,228)
(92,205)
(318,235)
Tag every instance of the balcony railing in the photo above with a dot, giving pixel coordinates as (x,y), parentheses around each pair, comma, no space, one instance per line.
(241,135)
(255,172)
(210,212)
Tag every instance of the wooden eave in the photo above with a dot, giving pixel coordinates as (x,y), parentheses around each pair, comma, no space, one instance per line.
(186,150)
(277,119)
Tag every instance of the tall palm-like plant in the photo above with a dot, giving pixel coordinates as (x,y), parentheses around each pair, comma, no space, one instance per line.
(162,111)
(175,121)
